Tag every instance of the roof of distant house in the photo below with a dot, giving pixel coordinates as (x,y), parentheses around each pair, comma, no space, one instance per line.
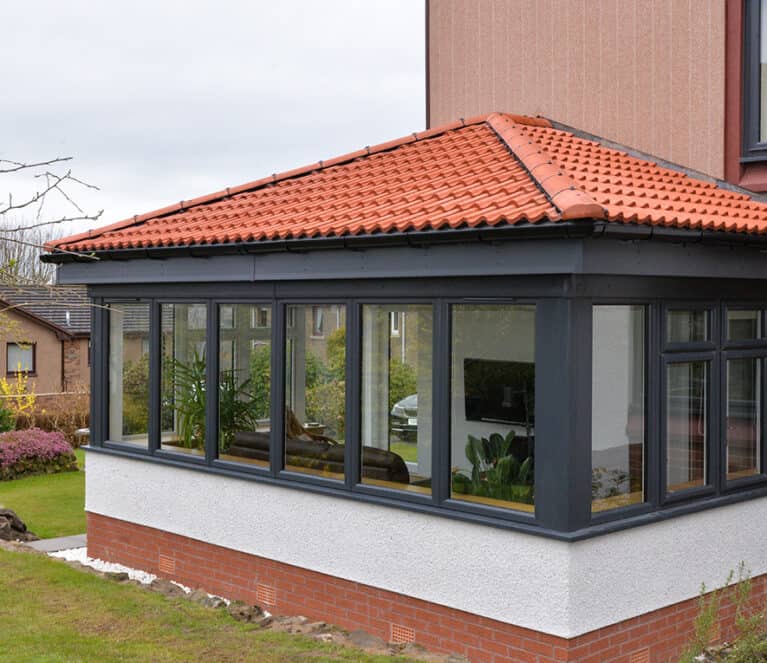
(66,308)
(486,172)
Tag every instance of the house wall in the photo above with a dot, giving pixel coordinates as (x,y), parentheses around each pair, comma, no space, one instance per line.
(48,375)
(649,74)
(550,586)
(76,367)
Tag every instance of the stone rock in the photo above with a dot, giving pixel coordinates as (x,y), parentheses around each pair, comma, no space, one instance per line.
(166,588)
(198,596)
(365,640)
(243,612)
(214,602)
(117,576)
(12,528)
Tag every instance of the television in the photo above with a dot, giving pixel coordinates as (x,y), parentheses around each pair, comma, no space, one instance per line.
(499,391)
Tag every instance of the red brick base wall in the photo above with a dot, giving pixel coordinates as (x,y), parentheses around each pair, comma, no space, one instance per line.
(655,637)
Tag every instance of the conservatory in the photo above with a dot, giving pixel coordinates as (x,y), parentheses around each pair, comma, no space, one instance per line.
(484,388)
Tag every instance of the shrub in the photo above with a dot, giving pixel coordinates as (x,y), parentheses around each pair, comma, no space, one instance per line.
(34,451)
(7,419)
(65,413)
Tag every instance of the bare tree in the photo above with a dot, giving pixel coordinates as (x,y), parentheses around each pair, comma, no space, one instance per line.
(48,179)
(20,262)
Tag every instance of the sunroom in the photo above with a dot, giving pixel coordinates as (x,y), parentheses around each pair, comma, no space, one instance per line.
(498,343)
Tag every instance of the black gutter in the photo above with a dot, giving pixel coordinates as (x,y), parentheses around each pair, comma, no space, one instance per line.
(576,229)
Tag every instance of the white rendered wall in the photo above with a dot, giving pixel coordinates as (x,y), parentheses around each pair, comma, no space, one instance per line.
(502,575)
(529,581)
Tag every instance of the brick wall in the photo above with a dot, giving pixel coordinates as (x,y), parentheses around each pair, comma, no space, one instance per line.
(655,637)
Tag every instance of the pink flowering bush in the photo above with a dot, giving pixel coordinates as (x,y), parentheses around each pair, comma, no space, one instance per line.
(34,451)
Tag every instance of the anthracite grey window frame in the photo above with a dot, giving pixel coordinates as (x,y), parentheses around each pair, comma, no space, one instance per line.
(753,148)
(563,337)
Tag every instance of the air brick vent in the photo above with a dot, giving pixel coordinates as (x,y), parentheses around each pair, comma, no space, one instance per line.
(166,564)
(266,594)
(401,633)
(641,656)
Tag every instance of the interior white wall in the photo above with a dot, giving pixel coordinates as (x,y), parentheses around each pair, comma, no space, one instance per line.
(485,333)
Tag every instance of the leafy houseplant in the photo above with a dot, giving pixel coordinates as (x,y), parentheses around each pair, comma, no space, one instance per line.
(496,473)
(189,401)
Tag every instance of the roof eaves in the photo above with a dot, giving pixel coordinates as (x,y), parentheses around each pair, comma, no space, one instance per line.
(6,306)
(265,181)
(571,201)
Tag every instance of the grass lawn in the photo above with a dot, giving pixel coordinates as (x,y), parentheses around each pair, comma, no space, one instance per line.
(52,612)
(50,504)
(406,450)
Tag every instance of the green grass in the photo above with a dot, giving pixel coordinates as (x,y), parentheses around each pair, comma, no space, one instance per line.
(52,612)
(406,450)
(50,504)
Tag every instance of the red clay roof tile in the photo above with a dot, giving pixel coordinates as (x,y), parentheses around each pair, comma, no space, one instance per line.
(496,169)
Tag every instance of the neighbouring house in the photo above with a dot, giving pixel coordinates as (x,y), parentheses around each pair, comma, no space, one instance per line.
(579,438)
(46,332)
(684,80)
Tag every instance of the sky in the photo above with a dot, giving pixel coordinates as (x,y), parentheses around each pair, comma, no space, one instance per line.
(164,101)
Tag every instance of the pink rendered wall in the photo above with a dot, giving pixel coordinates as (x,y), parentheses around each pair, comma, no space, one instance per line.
(649,74)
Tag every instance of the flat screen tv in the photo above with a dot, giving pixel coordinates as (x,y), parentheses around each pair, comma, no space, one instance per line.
(499,391)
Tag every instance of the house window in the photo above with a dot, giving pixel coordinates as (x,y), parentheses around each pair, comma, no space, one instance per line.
(315,392)
(755,81)
(129,373)
(318,321)
(394,320)
(744,325)
(395,412)
(687,429)
(244,386)
(260,317)
(492,422)
(618,406)
(20,358)
(183,378)
(743,417)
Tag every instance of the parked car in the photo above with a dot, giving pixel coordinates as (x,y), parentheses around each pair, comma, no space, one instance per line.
(403,418)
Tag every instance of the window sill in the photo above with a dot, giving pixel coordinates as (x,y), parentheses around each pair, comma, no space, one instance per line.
(753,175)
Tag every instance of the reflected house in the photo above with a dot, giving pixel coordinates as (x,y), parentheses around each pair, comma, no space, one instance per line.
(487,386)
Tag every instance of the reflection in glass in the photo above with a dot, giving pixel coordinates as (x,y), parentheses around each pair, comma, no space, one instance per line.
(182,415)
(744,432)
(618,407)
(129,373)
(315,389)
(396,396)
(686,424)
(743,325)
(244,386)
(493,405)
(687,326)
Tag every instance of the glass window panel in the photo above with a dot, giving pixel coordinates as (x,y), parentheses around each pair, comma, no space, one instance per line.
(397,396)
(129,373)
(20,358)
(618,407)
(687,326)
(686,424)
(744,325)
(493,405)
(182,415)
(744,432)
(315,390)
(244,386)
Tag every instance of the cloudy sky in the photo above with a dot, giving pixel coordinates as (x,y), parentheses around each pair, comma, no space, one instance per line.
(160,101)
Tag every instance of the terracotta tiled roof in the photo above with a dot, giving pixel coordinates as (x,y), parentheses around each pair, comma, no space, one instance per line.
(493,170)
